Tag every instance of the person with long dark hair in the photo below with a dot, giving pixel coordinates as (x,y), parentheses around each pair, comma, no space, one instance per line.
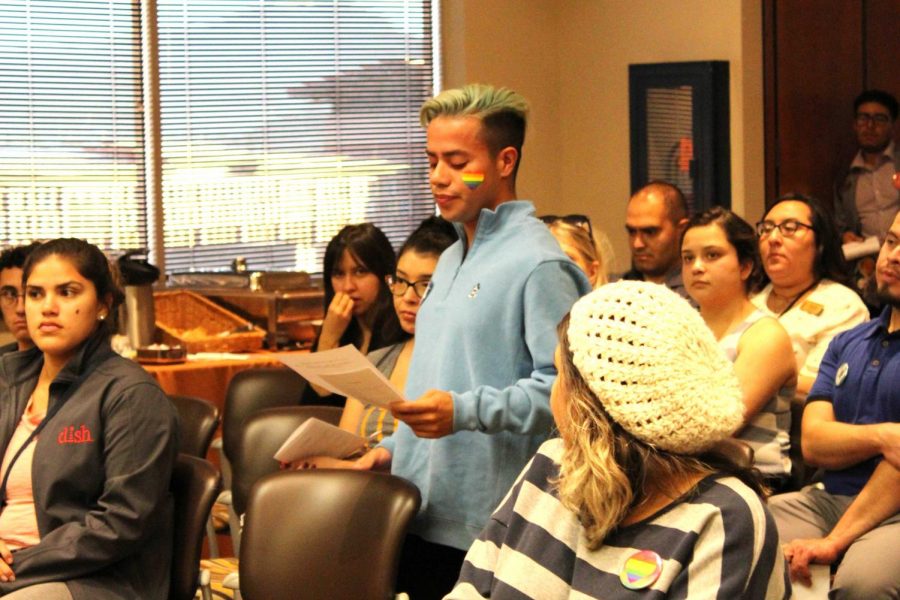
(416,262)
(358,303)
(808,288)
(88,441)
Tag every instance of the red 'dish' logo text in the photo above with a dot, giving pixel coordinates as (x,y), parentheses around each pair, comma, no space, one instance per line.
(70,435)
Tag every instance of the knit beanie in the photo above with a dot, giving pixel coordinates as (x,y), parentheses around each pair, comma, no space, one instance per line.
(655,366)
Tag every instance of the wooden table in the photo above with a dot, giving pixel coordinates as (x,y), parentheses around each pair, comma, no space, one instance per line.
(207,379)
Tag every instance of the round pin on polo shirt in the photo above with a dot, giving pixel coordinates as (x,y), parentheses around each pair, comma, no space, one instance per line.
(641,570)
(841,374)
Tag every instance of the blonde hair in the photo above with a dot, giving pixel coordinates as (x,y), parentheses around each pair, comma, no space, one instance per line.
(605,472)
(503,113)
(580,240)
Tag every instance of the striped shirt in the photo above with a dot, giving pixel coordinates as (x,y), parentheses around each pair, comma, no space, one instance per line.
(767,431)
(718,542)
(376,423)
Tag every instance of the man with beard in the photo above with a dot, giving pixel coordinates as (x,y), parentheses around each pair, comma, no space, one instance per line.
(851,427)
(655,218)
(867,199)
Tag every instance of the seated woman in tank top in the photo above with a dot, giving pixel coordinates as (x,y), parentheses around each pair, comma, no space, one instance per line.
(721,267)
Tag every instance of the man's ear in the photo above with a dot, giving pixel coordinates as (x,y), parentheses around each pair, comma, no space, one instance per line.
(681,225)
(506,161)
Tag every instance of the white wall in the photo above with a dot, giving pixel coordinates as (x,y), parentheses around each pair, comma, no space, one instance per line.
(570,59)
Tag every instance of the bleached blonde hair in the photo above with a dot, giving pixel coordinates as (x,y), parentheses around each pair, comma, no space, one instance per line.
(503,113)
(605,471)
(580,239)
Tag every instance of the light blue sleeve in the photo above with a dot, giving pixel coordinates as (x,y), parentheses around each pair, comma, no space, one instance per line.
(524,407)
(389,442)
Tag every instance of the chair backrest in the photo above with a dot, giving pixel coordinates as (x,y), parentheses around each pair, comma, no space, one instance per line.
(262,434)
(735,451)
(199,420)
(195,485)
(255,389)
(330,533)
(802,474)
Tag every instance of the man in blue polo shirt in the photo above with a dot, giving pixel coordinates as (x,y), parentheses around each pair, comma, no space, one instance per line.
(851,427)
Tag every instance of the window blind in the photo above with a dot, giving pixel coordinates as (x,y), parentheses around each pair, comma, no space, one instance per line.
(71,158)
(282,121)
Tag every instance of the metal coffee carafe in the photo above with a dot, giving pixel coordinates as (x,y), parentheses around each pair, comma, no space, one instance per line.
(138,275)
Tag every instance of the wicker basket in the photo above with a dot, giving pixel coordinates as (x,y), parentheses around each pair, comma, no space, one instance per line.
(200,325)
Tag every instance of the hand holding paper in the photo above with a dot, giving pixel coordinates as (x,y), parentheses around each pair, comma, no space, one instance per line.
(347,372)
(431,416)
(318,438)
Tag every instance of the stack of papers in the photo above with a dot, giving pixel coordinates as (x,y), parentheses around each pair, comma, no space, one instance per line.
(343,371)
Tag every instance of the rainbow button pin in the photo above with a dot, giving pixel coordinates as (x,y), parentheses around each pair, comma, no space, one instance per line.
(641,570)
(473,180)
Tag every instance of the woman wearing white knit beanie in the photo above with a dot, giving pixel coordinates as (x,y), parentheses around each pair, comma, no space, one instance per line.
(629,499)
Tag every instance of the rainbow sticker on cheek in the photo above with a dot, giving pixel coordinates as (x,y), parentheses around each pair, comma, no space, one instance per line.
(473,180)
(641,570)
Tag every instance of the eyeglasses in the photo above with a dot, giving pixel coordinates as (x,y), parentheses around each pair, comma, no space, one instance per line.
(398,285)
(876,118)
(9,296)
(577,220)
(788,227)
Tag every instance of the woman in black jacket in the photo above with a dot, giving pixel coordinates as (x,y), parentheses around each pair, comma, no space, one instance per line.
(88,442)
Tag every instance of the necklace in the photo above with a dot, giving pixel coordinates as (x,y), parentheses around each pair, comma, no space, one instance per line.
(792,300)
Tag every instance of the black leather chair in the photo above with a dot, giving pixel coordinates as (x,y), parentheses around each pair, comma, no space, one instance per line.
(735,451)
(253,390)
(802,474)
(195,485)
(325,534)
(262,434)
(248,392)
(199,420)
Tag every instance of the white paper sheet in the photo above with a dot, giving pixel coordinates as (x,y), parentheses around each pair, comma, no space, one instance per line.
(820,576)
(318,438)
(867,247)
(347,372)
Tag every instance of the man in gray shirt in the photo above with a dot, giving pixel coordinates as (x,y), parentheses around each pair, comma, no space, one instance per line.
(868,197)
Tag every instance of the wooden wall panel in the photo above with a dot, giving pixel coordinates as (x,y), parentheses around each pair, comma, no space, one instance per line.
(882,47)
(817,60)
(818,55)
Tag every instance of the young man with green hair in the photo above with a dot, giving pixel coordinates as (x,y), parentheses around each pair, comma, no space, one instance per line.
(482,367)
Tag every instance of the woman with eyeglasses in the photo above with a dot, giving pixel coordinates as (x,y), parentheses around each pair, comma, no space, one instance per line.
(721,268)
(88,441)
(358,307)
(808,290)
(409,284)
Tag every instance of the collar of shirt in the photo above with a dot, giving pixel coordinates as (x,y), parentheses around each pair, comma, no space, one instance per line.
(881,325)
(859,164)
